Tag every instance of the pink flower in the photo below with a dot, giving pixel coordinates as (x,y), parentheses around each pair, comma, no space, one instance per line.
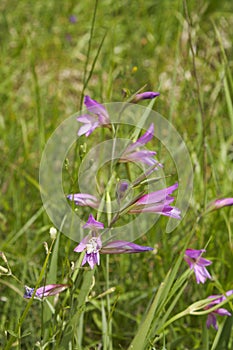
(148,95)
(99,117)
(211,319)
(132,154)
(93,247)
(45,291)
(84,199)
(197,264)
(220,203)
(157,202)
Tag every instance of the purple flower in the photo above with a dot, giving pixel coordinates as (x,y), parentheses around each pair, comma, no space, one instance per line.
(148,95)
(84,199)
(93,225)
(72,19)
(92,245)
(211,319)
(91,122)
(45,291)
(157,202)
(197,264)
(131,154)
(121,190)
(220,203)
(122,247)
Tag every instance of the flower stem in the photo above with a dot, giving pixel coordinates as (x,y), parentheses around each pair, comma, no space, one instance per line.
(29,304)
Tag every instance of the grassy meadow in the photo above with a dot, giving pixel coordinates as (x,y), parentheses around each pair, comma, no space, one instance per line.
(109,50)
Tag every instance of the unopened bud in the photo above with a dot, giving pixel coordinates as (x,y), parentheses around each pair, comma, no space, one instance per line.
(148,95)
(53,232)
(220,203)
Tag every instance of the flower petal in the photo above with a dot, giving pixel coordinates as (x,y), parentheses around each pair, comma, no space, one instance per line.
(220,203)
(211,320)
(87,129)
(92,259)
(97,108)
(204,262)
(84,199)
(157,196)
(148,95)
(50,289)
(92,224)
(122,247)
(164,209)
(82,245)
(193,253)
(201,273)
(45,291)
(222,312)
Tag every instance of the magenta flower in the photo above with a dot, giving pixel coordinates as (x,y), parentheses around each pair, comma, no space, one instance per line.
(98,118)
(211,319)
(45,291)
(220,203)
(72,19)
(92,245)
(121,190)
(131,154)
(93,225)
(84,199)
(122,247)
(148,95)
(197,264)
(157,202)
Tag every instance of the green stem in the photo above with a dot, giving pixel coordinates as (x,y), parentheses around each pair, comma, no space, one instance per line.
(29,304)
(88,53)
(77,266)
(109,334)
(200,104)
(173,319)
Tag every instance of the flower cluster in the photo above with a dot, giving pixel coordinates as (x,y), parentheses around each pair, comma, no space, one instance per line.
(99,116)
(93,247)
(158,202)
(155,202)
(198,264)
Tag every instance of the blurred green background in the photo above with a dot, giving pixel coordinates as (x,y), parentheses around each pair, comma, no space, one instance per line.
(184,51)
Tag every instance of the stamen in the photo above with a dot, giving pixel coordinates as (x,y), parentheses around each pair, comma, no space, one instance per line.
(92,246)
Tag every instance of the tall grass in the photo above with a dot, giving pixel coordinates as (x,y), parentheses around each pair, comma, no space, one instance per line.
(138,301)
